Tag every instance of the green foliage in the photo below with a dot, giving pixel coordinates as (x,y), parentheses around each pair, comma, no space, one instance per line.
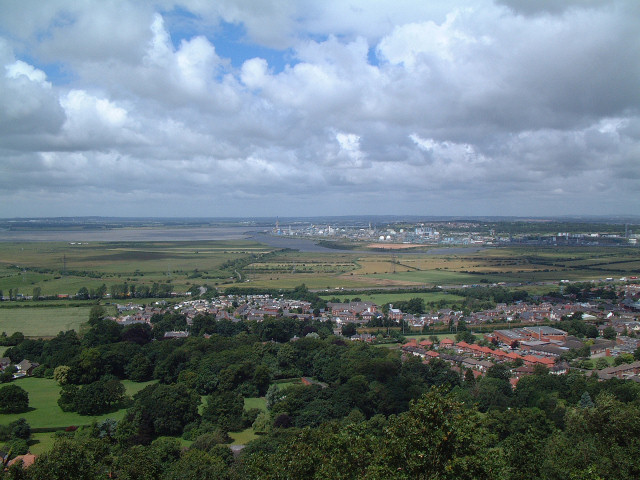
(585,401)
(414,305)
(465,336)
(623,358)
(197,465)
(96,398)
(13,399)
(71,460)
(158,410)
(225,410)
(609,333)
(17,446)
(207,441)
(137,463)
(436,438)
(61,374)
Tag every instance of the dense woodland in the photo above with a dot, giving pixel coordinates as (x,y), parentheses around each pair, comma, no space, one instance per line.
(368,413)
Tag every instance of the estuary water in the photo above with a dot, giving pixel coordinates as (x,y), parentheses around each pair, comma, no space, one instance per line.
(186,234)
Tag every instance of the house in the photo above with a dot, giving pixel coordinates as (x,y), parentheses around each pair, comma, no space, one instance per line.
(178,334)
(545,333)
(25,368)
(446,343)
(621,371)
(426,344)
(395,314)
(509,337)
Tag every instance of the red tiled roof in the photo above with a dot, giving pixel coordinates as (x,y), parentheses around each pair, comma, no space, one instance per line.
(27,460)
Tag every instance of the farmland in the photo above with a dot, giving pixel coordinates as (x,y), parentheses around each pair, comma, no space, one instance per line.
(59,268)
(42,322)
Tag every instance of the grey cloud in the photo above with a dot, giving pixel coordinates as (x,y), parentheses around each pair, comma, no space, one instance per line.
(537,7)
(537,113)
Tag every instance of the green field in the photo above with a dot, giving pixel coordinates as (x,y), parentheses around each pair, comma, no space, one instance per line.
(44,410)
(427,277)
(64,268)
(47,321)
(384,298)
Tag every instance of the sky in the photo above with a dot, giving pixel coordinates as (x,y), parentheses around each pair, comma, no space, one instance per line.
(306,107)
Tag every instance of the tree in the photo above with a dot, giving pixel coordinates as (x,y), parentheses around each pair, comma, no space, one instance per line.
(137,463)
(139,369)
(349,329)
(93,399)
(13,399)
(585,401)
(262,378)
(96,313)
(197,465)
(159,410)
(83,293)
(67,400)
(61,374)
(225,409)
(466,336)
(71,460)
(139,333)
(623,358)
(609,333)
(20,429)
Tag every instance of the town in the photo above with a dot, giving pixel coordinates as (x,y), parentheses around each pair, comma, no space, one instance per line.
(456,233)
(606,329)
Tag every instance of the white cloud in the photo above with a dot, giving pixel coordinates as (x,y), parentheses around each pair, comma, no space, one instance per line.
(20,68)
(493,102)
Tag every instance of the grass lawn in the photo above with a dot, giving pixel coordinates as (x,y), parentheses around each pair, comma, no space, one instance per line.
(243,437)
(42,321)
(45,412)
(255,402)
(41,442)
(283,385)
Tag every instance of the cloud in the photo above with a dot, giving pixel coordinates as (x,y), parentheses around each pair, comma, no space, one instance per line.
(405,107)
(28,106)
